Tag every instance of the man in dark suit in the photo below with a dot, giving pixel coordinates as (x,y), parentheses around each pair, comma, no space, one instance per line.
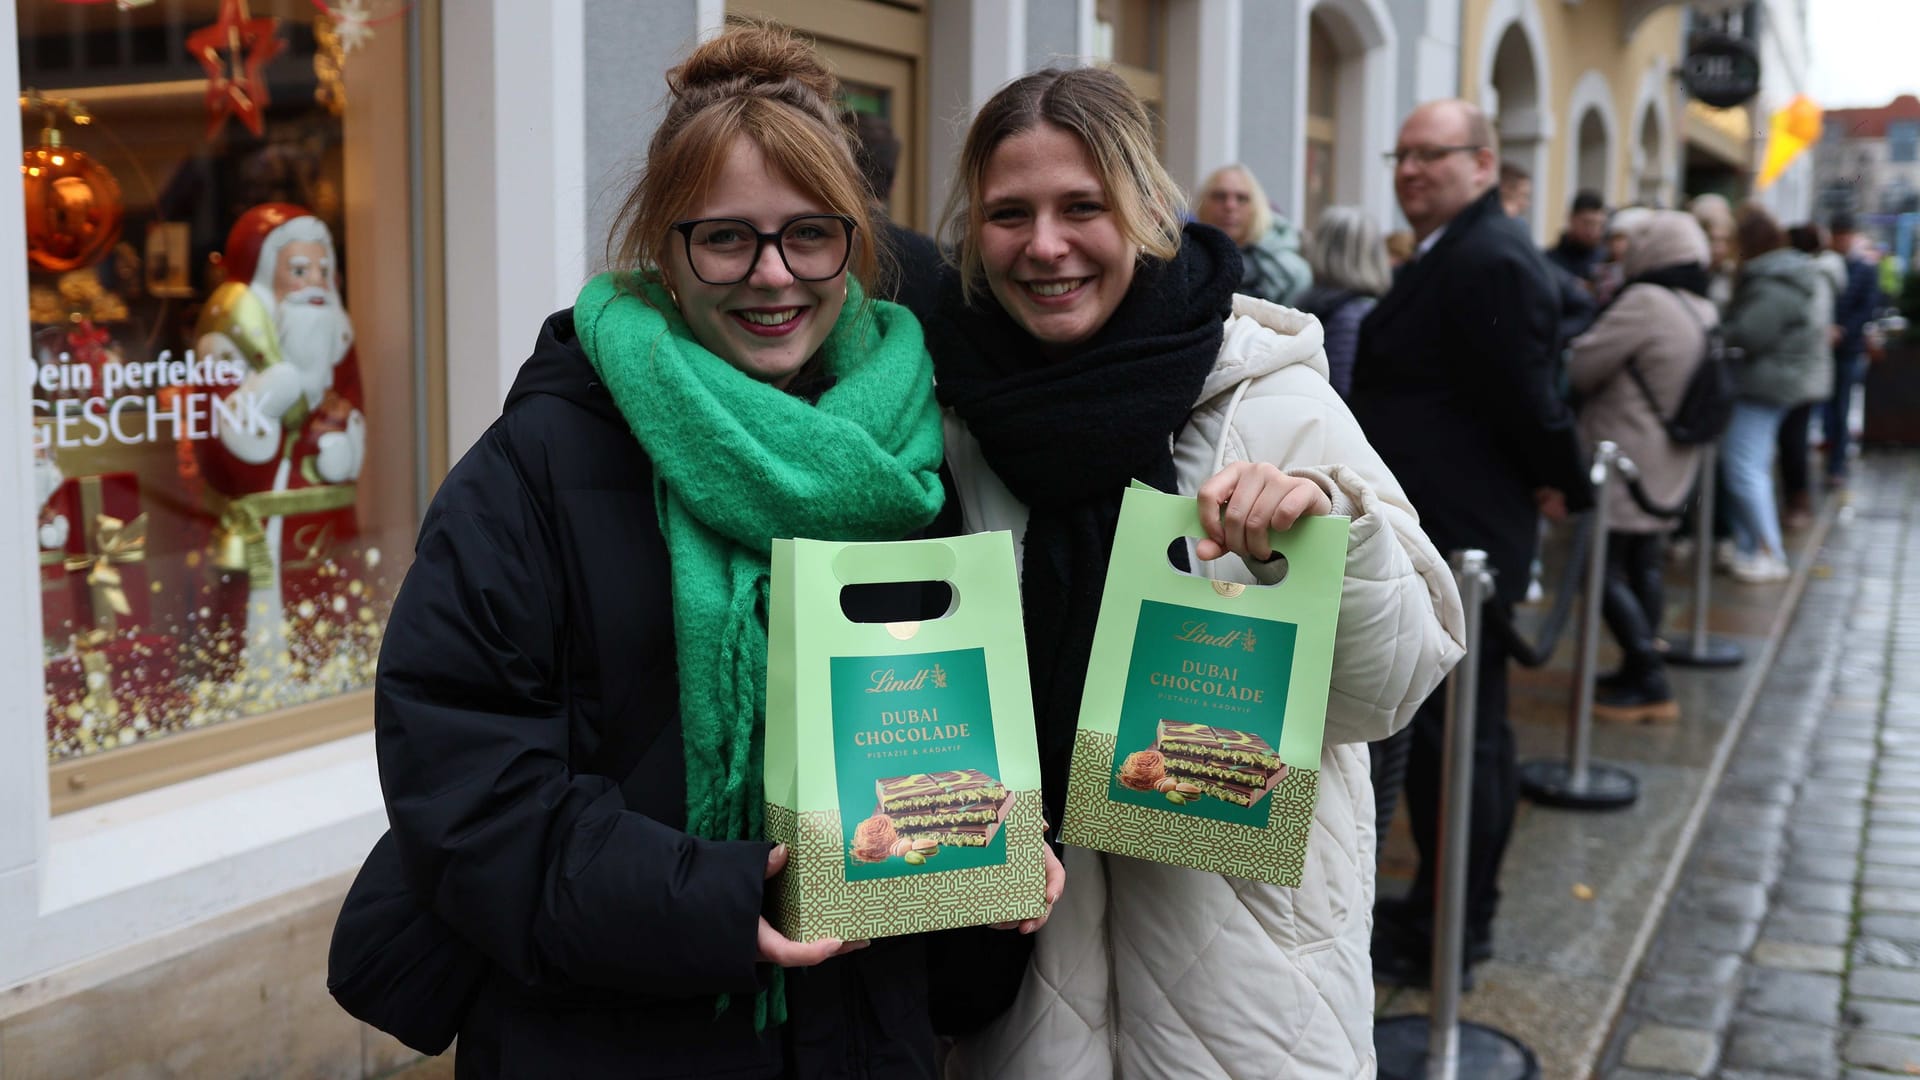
(1453,385)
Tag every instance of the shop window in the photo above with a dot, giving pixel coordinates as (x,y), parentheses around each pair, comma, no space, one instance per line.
(220,220)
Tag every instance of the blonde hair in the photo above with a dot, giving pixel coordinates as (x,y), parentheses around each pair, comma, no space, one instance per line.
(1094,105)
(1262,219)
(763,83)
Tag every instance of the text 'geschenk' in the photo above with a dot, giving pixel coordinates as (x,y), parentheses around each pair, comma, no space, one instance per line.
(122,413)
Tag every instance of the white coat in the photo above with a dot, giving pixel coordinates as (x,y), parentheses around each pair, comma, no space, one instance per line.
(1148,970)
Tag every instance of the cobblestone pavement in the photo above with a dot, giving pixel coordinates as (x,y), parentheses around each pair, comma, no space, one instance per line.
(1791,947)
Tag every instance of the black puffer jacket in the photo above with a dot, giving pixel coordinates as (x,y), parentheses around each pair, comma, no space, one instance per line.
(534,628)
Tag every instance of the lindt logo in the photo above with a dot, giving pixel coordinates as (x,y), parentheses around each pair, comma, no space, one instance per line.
(1199,634)
(887,682)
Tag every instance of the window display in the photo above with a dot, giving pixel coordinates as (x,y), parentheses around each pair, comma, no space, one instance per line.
(223,450)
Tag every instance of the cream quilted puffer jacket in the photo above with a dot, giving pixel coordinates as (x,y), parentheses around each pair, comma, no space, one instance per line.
(1147,971)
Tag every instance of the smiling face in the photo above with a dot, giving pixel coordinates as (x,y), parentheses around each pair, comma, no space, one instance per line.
(1433,193)
(1050,242)
(770,324)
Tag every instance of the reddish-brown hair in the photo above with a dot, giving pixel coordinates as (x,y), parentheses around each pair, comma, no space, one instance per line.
(1757,231)
(767,84)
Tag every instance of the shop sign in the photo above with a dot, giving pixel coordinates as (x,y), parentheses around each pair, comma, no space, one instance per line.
(1721,70)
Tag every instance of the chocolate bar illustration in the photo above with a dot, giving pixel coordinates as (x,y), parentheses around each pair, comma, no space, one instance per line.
(1233,766)
(924,791)
(955,808)
(974,814)
(957,835)
(1223,745)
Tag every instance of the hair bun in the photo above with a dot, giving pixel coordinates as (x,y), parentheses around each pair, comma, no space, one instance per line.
(750,58)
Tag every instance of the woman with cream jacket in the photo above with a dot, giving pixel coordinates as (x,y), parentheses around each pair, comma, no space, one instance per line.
(1087,339)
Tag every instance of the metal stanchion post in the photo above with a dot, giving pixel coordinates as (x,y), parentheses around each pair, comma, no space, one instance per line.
(1438,1046)
(1700,650)
(1579,783)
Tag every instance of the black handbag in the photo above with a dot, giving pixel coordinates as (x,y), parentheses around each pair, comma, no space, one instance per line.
(395,964)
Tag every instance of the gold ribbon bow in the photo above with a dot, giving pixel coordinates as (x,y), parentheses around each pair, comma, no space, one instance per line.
(241,543)
(114,542)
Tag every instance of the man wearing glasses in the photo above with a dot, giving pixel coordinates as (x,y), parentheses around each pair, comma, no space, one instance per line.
(1453,384)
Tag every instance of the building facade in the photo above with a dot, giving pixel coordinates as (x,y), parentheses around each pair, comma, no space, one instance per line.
(1868,160)
(1584,97)
(202,569)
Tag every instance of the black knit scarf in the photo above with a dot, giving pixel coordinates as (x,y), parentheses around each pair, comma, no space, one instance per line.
(1684,277)
(1067,433)
(1688,277)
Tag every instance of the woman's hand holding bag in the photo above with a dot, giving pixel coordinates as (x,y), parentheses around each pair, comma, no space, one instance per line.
(1247,498)
(777,948)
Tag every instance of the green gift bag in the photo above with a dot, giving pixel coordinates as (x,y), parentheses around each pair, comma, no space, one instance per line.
(1200,725)
(901,766)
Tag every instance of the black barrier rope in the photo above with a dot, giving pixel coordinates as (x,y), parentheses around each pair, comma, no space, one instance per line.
(1646,503)
(1532,654)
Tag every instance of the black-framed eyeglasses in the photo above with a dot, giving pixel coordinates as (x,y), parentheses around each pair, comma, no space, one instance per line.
(1426,155)
(724,251)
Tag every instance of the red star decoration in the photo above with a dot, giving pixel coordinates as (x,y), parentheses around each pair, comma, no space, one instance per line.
(248,42)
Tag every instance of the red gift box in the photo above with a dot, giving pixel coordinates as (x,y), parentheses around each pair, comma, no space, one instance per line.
(106,557)
(108,686)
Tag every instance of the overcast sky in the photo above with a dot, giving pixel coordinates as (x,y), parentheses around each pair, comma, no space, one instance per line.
(1864,52)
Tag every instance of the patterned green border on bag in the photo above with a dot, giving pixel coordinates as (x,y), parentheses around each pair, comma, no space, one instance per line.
(1144,832)
(836,908)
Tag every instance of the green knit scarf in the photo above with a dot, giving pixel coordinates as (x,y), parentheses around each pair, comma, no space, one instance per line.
(738,463)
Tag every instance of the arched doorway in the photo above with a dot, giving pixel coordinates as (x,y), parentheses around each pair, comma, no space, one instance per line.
(1654,153)
(1514,100)
(1348,93)
(1594,148)
(1650,161)
(1591,154)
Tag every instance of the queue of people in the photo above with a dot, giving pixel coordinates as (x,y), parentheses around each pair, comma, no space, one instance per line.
(571,700)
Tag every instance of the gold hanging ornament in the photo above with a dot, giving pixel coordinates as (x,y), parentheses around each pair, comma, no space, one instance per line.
(340,27)
(329,66)
(74,207)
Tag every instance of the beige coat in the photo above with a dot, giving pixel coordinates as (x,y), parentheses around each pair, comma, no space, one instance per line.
(1650,325)
(1147,970)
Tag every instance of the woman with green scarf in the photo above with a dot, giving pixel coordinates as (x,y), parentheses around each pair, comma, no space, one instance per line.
(572,694)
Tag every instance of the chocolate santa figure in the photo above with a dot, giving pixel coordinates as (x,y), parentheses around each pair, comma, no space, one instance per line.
(282,482)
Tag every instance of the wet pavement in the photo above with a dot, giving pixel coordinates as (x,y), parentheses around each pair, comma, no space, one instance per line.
(1607,928)
(1791,947)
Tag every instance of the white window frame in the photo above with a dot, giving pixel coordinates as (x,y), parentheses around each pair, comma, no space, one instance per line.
(99,880)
